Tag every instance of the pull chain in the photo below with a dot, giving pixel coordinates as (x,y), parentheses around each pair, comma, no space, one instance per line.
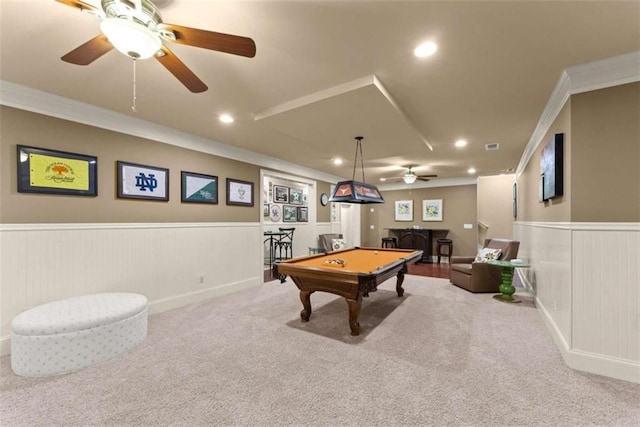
(133,106)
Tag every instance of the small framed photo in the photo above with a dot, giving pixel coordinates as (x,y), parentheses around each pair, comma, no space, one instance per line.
(280,194)
(56,172)
(239,193)
(265,210)
(404,210)
(289,213)
(199,188)
(432,210)
(295,196)
(275,213)
(303,214)
(137,181)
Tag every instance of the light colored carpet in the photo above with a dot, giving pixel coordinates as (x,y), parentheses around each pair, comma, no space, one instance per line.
(437,356)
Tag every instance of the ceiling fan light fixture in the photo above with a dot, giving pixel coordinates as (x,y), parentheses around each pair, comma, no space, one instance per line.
(132,39)
(409,178)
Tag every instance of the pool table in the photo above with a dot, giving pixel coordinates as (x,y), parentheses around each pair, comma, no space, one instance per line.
(351,273)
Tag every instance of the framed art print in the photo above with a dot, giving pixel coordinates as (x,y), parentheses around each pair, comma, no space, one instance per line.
(303,214)
(275,213)
(239,193)
(198,188)
(551,167)
(137,181)
(432,210)
(295,196)
(404,210)
(280,194)
(289,213)
(56,172)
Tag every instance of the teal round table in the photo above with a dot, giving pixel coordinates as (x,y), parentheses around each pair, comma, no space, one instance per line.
(506,286)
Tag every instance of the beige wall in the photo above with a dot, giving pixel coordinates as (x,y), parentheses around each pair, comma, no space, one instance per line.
(495,207)
(601,161)
(459,207)
(605,155)
(25,128)
(323,212)
(557,209)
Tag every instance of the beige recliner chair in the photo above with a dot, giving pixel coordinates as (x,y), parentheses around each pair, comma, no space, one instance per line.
(478,276)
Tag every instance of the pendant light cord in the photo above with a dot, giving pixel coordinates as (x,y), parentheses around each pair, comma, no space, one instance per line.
(355,160)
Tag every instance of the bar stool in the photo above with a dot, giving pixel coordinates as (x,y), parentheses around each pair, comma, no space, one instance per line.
(444,243)
(389,242)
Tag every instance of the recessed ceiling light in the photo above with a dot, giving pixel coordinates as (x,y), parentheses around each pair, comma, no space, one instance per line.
(383,179)
(337,161)
(471,170)
(461,143)
(425,49)
(226,118)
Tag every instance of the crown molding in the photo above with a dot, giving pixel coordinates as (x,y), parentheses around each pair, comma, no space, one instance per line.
(600,74)
(29,99)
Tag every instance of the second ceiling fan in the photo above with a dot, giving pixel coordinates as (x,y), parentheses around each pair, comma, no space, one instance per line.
(135,28)
(409,177)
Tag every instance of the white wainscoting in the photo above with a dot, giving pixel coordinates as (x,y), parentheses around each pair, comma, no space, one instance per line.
(172,264)
(585,278)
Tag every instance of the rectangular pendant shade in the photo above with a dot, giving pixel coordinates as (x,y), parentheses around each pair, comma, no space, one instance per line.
(356,192)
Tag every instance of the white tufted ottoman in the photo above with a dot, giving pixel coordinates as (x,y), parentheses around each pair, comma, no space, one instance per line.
(67,335)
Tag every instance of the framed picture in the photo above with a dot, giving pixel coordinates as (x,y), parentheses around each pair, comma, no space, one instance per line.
(432,210)
(295,196)
(265,210)
(56,172)
(541,198)
(404,210)
(303,214)
(137,181)
(280,194)
(289,213)
(239,193)
(551,167)
(199,188)
(275,213)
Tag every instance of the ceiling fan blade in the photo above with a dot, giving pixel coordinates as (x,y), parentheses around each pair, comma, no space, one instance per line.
(180,71)
(90,51)
(228,43)
(427,176)
(79,5)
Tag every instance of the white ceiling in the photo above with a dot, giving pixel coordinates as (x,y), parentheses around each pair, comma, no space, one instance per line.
(327,71)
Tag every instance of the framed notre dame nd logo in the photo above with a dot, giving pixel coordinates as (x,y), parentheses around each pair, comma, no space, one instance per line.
(142,182)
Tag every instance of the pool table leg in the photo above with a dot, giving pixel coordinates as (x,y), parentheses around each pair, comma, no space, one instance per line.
(305,297)
(354,312)
(399,288)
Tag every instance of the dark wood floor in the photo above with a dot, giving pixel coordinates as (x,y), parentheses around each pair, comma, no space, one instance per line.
(430,270)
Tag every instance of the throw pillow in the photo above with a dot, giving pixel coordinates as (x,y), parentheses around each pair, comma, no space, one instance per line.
(338,244)
(487,254)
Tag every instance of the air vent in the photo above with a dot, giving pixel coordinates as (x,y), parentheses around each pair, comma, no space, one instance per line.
(494,146)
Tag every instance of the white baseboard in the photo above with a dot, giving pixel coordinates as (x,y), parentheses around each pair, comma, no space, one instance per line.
(175,301)
(589,362)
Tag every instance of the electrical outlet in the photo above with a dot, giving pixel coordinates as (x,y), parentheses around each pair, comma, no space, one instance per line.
(372,227)
(468,226)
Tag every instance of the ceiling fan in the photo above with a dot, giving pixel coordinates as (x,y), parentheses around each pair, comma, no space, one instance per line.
(135,28)
(410,177)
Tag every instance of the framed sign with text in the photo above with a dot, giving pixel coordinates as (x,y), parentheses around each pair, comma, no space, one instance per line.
(56,172)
